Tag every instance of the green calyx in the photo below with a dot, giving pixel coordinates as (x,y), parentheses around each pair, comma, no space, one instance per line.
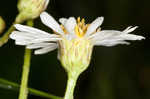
(75,55)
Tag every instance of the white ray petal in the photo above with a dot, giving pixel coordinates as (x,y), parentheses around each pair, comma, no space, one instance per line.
(25,38)
(22,42)
(112,37)
(105,34)
(49,21)
(110,43)
(39,45)
(45,40)
(62,20)
(70,25)
(32,30)
(21,35)
(28,42)
(94,25)
(46,4)
(131,37)
(130,29)
(45,49)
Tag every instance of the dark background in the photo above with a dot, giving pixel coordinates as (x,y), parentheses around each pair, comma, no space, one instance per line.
(120,72)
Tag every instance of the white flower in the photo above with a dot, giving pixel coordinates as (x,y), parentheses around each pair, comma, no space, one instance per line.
(70,29)
(75,41)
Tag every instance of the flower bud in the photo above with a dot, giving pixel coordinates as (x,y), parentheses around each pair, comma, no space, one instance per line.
(2,25)
(75,55)
(30,9)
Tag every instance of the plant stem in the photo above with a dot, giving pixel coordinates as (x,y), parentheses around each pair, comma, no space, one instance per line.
(40,93)
(26,68)
(24,81)
(5,84)
(5,37)
(71,83)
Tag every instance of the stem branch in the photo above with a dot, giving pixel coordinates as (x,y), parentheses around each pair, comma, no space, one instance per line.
(5,38)
(5,84)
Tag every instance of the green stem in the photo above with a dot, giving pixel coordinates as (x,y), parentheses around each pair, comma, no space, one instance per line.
(71,83)
(30,23)
(24,81)
(26,68)
(5,37)
(40,93)
(5,84)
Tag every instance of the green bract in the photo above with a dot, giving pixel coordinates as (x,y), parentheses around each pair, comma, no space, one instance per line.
(75,55)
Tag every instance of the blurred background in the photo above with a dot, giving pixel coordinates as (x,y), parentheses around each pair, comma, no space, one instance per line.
(120,72)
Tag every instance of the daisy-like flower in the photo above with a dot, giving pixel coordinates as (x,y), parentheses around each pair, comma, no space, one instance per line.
(73,38)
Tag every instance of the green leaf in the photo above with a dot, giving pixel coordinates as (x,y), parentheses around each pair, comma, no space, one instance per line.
(5,84)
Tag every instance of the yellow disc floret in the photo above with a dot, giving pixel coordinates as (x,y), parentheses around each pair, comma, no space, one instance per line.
(81,27)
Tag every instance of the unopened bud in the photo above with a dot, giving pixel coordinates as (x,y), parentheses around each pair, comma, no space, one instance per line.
(30,9)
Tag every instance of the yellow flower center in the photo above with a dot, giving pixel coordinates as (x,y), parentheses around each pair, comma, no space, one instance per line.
(80,29)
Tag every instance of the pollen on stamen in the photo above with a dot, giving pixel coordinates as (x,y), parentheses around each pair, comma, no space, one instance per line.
(81,27)
(63,28)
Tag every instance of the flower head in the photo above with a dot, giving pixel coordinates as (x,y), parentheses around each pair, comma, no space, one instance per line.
(73,38)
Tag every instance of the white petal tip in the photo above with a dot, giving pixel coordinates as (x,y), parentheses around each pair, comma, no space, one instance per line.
(43,15)
(17,25)
(134,27)
(13,35)
(62,20)
(28,47)
(101,18)
(37,53)
(130,29)
(46,4)
(140,38)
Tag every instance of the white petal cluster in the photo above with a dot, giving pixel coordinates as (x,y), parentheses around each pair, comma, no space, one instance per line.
(34,38)
(113,37)
(45,42)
